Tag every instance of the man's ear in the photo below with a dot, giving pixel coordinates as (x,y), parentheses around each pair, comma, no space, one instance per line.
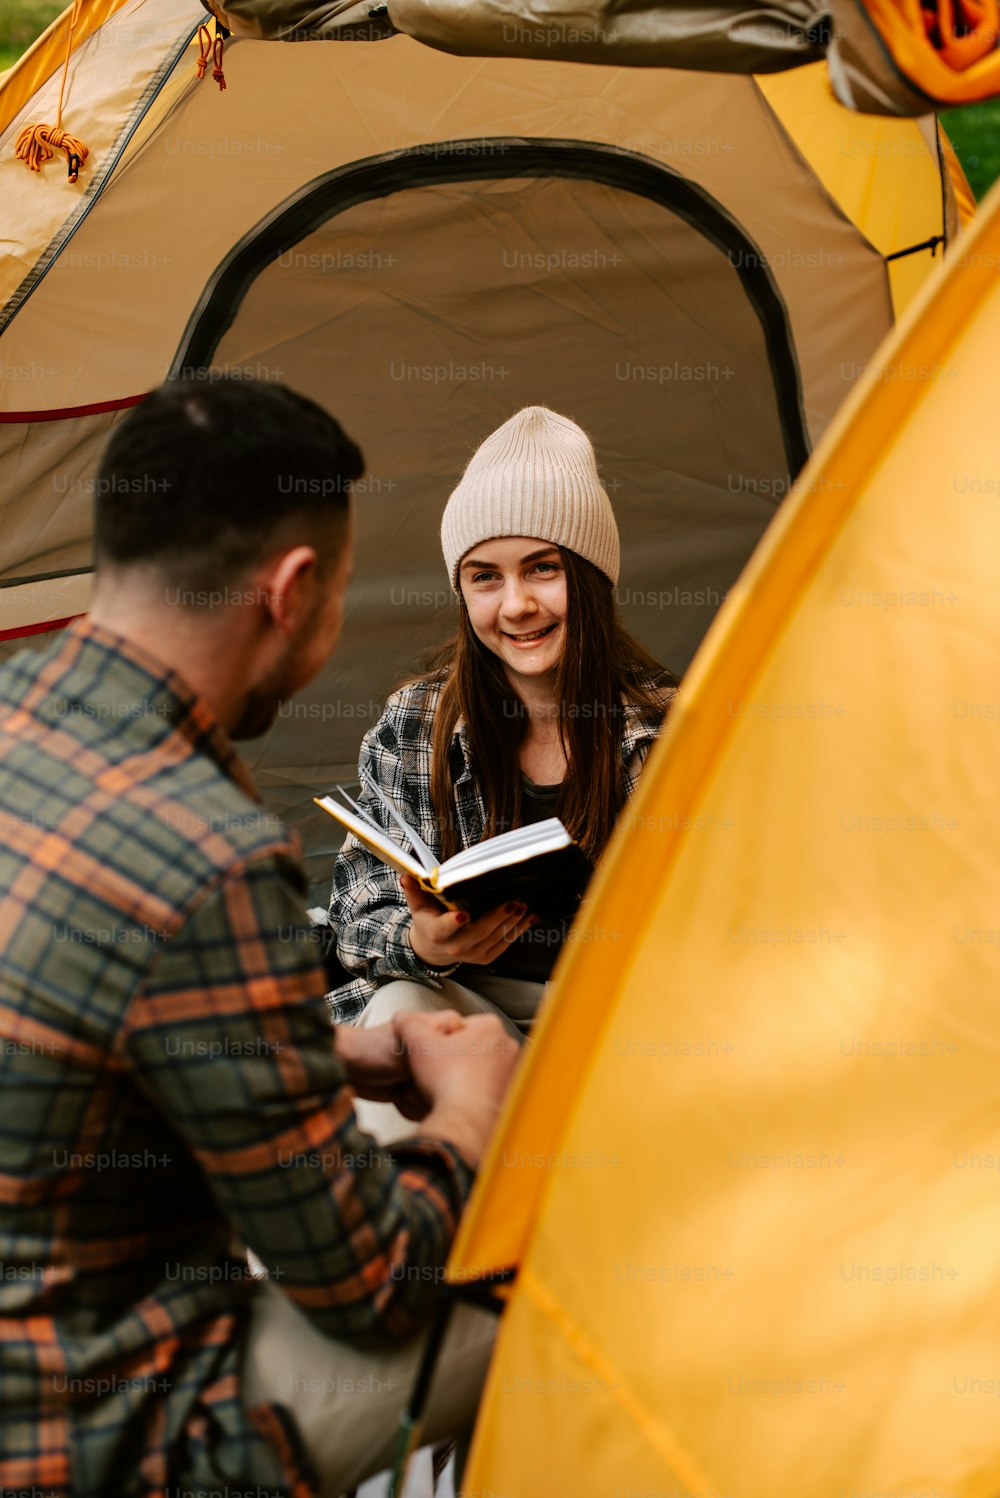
(290,586)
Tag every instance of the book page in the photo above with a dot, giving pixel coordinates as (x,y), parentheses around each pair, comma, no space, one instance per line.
(416,842)
(517,846)
(372,837)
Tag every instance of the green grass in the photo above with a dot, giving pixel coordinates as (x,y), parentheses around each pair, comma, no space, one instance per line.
(975,134)
(974,131)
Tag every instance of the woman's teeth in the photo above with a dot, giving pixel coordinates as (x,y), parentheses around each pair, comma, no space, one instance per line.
(537,635)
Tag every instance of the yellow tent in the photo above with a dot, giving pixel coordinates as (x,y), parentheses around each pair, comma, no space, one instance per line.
(751,1173)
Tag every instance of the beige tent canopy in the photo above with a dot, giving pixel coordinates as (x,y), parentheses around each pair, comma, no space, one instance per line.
(697,268)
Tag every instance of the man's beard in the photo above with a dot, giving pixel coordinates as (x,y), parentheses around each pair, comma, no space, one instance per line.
(259,708)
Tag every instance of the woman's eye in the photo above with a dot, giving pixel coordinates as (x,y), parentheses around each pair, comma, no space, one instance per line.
(482,577)
(546,567)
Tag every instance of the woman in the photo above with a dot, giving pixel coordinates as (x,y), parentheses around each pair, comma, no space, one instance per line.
(542,705)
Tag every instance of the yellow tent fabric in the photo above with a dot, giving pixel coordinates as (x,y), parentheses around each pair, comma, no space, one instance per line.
(751,1172)
(858,157)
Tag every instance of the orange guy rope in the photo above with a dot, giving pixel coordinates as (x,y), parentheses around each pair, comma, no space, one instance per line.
(211,51)
(37,144)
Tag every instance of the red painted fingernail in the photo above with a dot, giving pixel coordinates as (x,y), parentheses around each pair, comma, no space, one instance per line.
(461,918)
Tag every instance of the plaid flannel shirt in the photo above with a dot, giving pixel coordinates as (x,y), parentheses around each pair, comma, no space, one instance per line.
(367,910)
(167,1081)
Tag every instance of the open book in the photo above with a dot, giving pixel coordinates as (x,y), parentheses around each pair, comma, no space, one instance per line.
(539,864)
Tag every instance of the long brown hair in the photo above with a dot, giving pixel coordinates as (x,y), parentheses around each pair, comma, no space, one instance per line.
(601,666)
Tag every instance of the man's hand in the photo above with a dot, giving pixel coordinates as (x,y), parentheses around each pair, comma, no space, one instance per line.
(378,1066)
(442,937)
(463,1071)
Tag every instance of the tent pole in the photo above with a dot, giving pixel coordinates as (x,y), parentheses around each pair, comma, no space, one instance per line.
(411,1422)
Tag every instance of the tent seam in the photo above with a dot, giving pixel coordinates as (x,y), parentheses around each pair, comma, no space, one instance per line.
(680,1461)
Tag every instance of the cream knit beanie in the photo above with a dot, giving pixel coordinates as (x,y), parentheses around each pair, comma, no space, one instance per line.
(534,476)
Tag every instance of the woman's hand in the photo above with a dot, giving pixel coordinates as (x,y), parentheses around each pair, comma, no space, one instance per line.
(442,937)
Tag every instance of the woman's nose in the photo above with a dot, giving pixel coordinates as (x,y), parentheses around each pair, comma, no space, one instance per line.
(518,600)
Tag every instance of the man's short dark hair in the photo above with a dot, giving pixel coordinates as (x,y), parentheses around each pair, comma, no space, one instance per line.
(209,476)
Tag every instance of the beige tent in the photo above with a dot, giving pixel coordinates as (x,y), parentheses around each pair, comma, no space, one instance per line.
(695,267)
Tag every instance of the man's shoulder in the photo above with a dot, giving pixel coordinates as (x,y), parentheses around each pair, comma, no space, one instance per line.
(200,809)
(20,672)
(124,786)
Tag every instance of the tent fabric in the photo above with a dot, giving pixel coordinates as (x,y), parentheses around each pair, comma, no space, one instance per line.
(47,52)
(904,57)
(290,21)
(752,36)
(965,200)
(495,227)
(893,57)
(749,1169)
(856,158)
(117,75)
(749,1172)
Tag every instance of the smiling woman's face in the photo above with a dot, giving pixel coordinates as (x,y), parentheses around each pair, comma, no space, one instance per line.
(515,591)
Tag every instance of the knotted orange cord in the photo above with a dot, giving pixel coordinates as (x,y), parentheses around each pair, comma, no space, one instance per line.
(37,144)
(213,50)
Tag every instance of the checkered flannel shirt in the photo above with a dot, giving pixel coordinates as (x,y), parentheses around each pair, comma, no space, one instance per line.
(168,1082)
(367,909)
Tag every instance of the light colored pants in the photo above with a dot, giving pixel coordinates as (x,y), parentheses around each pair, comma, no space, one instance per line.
(347,1403)
(513,1000)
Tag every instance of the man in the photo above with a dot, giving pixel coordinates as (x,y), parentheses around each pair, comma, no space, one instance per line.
(169,1083)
